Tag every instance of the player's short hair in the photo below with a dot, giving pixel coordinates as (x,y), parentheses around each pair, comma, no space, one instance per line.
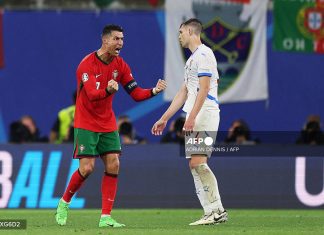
(111,27)
(195,23)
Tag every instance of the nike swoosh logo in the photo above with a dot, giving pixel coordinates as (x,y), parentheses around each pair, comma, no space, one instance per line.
(98,75)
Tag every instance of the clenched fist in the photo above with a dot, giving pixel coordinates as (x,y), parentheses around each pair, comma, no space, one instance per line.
(160,86)
(112,87)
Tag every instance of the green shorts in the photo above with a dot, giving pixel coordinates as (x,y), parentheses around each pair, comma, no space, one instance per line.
(94,144)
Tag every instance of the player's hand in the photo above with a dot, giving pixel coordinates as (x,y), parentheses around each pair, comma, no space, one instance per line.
(158,127)
(189,126)
(160,86)
(112,86)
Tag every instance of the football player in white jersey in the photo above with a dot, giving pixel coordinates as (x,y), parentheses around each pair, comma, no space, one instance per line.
(198,94)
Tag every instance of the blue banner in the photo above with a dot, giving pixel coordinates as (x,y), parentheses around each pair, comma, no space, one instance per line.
(155,176)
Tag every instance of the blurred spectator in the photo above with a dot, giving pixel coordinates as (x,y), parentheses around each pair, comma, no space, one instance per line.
(63,130)
(311,132)
(127,136)
(175,133)
(313,118)
(81,4)
(18,133)
(239,133)
(25,130)
(29,122)
(121,119)
(127,132)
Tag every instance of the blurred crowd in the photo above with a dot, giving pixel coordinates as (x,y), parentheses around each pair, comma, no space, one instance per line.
(25,130)
(88,4)
(81,4)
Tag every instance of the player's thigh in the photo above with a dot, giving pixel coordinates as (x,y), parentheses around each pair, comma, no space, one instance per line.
(85,143)
(109,143)
(207,120)
(206,127)
(207,123)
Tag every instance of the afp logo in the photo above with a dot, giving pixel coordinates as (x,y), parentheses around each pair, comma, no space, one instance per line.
(199,140)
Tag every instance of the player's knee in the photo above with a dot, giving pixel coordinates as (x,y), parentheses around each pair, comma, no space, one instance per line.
(113,165)
(87,169)
(193,164)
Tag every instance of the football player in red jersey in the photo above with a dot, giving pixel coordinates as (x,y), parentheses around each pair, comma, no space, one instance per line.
(95,128)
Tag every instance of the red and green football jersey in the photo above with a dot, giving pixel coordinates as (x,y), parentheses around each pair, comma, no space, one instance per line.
(94,106)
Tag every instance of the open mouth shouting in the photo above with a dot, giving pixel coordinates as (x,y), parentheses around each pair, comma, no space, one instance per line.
(117,50)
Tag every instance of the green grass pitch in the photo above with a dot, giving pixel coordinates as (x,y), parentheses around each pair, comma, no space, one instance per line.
(170,222)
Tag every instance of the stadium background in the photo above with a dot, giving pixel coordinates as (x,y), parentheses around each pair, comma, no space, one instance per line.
(42,49)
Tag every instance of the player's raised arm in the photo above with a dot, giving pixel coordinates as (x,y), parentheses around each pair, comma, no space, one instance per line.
(136,92)
(176,104)
(140,94)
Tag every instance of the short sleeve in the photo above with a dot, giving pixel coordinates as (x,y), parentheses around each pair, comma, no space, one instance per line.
(204,65)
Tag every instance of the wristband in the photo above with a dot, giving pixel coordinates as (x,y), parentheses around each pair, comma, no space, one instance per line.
(107,92)
(154,92)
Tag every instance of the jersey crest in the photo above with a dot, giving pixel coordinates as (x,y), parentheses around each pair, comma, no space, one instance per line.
(115,74)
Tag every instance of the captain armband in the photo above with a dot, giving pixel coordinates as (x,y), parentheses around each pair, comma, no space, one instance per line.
(130,86)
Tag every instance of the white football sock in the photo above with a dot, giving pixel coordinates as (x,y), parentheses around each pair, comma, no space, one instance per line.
(201,193)
(65,201)
(210,186)
(105,215)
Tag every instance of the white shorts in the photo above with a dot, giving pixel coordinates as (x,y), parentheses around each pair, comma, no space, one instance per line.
(206,125)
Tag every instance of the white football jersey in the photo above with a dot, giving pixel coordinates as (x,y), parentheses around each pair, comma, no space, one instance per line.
(202,62)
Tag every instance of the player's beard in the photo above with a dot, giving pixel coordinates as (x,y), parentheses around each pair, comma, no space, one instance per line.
(114,51)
